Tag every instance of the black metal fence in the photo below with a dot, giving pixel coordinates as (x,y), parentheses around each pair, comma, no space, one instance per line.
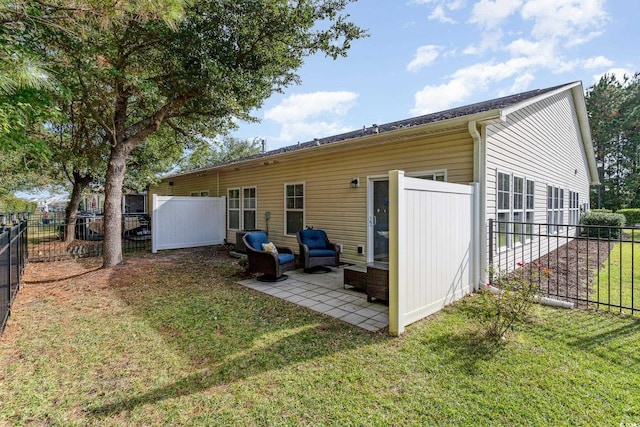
(47,233)
(591,266)
(13,254)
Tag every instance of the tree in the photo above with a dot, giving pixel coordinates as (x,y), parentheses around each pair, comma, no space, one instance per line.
(207,152)
(25,103)
(195,73)
(614,118)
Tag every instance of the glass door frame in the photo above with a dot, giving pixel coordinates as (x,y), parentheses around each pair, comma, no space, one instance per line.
(371,217)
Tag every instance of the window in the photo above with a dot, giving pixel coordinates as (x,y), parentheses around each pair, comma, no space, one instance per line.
(574,208)
(233,208)
(555,208)
(529,209)
(504,208)
(294,208)
(249,208)
(515,209)
(440,175)
(242,212)
(203,193)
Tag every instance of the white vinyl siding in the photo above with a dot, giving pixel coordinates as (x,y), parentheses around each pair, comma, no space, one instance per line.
(543,143)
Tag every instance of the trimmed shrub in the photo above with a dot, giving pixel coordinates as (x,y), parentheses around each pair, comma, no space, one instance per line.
(632,215)
(602,210)
(603,224)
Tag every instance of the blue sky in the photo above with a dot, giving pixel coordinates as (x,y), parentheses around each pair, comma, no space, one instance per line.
(424,56)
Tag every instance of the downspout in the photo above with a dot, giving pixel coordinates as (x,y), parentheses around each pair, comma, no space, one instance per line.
(479,176)
(218,184)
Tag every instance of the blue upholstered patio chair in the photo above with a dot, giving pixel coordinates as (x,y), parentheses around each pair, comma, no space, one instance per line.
(316,250)
(271,263)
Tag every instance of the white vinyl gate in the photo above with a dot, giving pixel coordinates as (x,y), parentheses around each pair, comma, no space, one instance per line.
(433,246)
(186,222)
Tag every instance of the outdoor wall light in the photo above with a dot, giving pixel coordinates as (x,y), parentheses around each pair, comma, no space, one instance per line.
(355,182)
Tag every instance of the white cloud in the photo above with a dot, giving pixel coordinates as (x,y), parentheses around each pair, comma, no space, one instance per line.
(525,37)
(520,84)
(424,56)
(597,62)
(438,14)
(311,115)
(437,98)
(491,13)
(619,73)
(455,5)
(573,20)
(301,106)
(467,81)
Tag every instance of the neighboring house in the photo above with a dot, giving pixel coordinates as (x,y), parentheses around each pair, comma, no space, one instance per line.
(530,153)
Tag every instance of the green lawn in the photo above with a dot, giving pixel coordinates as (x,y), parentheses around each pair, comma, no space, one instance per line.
(174,342)
(619,275)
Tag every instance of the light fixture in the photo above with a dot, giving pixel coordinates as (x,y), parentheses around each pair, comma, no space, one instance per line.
(355,182)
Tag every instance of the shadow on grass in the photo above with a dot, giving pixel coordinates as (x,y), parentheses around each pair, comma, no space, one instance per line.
(278,355)
(609,336)
(226,333)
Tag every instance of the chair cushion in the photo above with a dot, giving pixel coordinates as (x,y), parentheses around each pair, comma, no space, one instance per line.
(285,258)
(314,239)
(256,239)
(321,252)
(270,247)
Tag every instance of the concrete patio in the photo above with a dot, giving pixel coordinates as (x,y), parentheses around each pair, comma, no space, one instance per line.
(324,293)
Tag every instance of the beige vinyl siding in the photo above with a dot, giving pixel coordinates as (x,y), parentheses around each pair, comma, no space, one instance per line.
(327,171)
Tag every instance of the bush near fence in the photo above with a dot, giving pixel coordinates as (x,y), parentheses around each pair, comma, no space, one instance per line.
(632,215)
(607,225)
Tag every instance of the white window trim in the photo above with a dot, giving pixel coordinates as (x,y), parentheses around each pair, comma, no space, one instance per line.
(200,193)
(243,208)
(238,209)
(527,234)
(574,207)
(434,173)
(556,211)
(304,206)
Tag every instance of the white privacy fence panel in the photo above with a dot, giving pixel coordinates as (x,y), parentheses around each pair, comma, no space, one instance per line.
(433,245)
(186,222)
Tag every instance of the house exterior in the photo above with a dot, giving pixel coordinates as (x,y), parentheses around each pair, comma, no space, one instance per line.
(530,154)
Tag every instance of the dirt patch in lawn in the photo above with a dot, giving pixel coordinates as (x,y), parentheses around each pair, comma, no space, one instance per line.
(68,281)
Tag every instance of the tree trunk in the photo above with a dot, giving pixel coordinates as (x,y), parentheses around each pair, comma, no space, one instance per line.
(71,213)
(116,169)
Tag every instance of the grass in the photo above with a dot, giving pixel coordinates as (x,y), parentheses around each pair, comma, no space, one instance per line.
(175,342)
(618,281)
